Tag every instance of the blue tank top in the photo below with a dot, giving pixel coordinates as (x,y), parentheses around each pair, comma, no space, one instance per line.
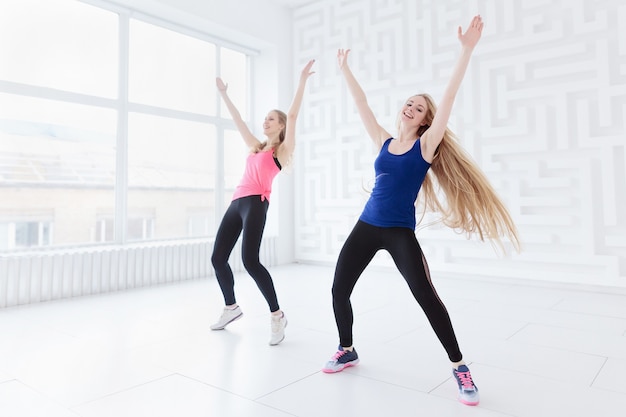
(398,180)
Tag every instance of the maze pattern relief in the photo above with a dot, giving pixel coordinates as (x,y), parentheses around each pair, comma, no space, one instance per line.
(541,110)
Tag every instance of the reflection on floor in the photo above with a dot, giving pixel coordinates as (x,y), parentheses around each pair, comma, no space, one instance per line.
(533,350)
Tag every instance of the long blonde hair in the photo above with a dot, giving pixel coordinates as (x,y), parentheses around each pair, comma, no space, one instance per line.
(471,204)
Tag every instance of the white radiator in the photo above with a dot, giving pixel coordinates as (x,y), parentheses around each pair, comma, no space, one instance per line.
(50,275)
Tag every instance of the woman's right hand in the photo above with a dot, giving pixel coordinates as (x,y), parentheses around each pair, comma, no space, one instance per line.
(471,37)
(342,58)
(306,71)
(220,85)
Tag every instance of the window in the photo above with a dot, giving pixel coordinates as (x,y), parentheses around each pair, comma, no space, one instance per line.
(29,234)
(25,234)
(172,129)
(64,128)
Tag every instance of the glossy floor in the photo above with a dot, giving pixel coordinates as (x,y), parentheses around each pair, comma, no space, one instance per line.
(534,351)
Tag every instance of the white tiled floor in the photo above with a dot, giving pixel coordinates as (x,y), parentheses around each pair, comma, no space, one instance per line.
(534,351)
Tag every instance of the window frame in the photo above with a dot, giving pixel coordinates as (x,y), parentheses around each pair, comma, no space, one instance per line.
(123,107)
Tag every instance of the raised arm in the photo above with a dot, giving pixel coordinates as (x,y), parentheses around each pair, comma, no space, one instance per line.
(374,130)
(434,135)
(286,149)
(250,140)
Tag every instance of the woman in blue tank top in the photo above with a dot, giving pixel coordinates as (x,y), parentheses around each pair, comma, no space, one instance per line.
(423,146)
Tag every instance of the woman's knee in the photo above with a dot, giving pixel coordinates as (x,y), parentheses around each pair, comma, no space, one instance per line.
(250,261)
(218,260)
(339,294)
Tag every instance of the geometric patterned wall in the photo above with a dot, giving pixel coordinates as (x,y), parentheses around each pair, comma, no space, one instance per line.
(542,110)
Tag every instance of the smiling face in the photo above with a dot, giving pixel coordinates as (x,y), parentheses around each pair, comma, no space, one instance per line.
(272,125)
(414,111)
(417,113)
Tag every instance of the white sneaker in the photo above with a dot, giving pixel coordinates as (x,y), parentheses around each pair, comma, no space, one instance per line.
(278,329)
(228,316)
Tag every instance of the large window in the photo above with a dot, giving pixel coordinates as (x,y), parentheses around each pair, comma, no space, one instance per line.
(91,134)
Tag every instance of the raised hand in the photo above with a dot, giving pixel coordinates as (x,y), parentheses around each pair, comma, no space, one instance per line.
(220,84)
(472,35)
(342,57)
(306,71)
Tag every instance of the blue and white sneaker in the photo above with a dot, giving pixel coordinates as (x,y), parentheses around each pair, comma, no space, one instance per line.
(341,360)
(468,391)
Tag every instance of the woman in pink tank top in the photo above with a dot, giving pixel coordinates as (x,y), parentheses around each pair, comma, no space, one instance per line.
(247,211)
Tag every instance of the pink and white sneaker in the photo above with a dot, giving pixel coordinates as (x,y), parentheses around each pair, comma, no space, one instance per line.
(341,360)
(468,391)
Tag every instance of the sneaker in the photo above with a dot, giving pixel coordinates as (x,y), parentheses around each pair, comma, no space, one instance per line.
(228,316)
(468,392)
(278,329)
(341,360)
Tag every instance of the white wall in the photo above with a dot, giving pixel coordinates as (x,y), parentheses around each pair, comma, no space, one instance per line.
(262,26)
(541,110)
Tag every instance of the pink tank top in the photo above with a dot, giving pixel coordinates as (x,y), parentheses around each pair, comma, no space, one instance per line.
(258,176)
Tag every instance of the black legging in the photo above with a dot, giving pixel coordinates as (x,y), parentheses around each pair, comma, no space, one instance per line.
(247,214)
(401,243)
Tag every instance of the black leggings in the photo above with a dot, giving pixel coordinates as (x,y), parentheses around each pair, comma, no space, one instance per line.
(247,214)
(401,243)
